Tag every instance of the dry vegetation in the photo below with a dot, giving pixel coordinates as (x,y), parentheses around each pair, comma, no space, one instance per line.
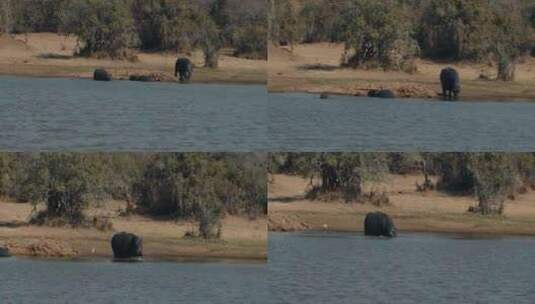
(241,238)
(315,68)
(411,210)
(52,55)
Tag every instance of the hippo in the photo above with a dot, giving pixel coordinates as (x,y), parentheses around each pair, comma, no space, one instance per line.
(127,246)
(101,75)
(184,68)
(379,224)
(381,94)
(4,252)
(451,83)
(144,78)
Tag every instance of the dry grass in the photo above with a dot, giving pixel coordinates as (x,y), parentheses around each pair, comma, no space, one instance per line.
(48,54)
(314,68)
(241,238)
(412,210)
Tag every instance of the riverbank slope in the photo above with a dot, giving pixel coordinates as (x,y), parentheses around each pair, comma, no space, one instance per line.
(315,68)
(242,239)
(51,55)
(412,211)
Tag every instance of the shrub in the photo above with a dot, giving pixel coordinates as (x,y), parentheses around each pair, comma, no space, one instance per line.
(105,27)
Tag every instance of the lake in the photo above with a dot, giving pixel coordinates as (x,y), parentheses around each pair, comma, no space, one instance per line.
(78,114)
(323,267)
(304,122)
(46,281)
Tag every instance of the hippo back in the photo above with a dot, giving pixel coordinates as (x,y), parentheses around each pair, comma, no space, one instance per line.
(126,245)
(101,75)
(379,224)
(450,80)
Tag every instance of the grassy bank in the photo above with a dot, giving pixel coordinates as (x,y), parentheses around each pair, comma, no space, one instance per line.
(51,55)
(242,239)
(411,211)
(315,68)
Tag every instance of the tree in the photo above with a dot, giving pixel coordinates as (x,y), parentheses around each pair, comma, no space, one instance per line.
(104,26)
(284,27)
(6,17)
(457,29)
(66,183)
(166,24)
(494,178)
(512,36)
(378,32)
(210,41)
(337,174)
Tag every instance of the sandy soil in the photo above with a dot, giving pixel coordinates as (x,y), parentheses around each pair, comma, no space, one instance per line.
(314,68)
(51,55)
(241,237)
(411,210)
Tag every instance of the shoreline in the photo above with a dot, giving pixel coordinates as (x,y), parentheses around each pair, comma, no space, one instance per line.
(315,68)
(411,211)
(205,80)
(480,99)
(93,246)
(54,55)
(434,225)
(241,238)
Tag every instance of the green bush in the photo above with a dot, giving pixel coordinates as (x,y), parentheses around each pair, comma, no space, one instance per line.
(65,183)
(105,27)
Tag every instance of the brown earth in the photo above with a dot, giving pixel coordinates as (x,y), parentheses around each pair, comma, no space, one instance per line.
(52,55)
(162,239)
(315,68)
(411,210)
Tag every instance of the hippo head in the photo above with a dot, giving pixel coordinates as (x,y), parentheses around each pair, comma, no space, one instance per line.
(393,232)
(137,246)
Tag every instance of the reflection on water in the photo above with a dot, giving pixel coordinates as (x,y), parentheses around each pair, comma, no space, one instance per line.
(413,268)
(57,114)
(304,122)
(49,281)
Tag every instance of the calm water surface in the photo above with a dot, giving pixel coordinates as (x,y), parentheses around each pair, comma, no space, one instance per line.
(38,281)
(413,268)
(76,114)
(304,122)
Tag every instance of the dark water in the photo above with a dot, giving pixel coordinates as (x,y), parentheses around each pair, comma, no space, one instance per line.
(413,268)
(57,114)
(33,281)
(304,122)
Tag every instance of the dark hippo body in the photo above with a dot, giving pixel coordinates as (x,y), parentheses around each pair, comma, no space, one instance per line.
(4,252)
(379,224)
(127,246)
(451,83)
(381,94)
(144,78)
(101,75)
(184,68)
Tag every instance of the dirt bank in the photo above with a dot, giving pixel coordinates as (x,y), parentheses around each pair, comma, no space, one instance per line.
(51,55)
(241,237)
(314,68)
(412,211)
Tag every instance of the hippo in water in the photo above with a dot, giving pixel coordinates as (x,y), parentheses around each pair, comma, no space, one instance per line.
(4,252)
(127,246)
(379,224)
(184,68)
(381,94)
(451,83)
(101,75)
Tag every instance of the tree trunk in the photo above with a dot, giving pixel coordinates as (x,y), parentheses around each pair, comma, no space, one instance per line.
(489,207)
(506,69)
(273,32)
(6,8)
